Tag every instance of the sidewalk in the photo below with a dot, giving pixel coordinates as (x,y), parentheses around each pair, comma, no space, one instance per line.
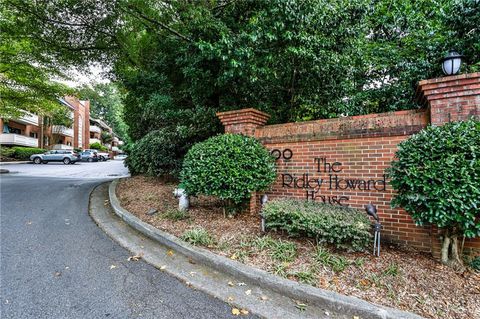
(11,163)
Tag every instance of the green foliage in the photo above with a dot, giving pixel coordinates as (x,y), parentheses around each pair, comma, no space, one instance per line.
(176,215)
(106,103)
(158,153)
(106,137)
(24,153)
(392,270)
(437,177)
(475,263)
(343,227)
(335,262)
(7,152)
(61,116)
(306,276)
(98,146)
(280,250)
(229,166)
(198,236)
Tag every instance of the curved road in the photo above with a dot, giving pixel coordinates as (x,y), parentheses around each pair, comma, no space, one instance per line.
(56,262)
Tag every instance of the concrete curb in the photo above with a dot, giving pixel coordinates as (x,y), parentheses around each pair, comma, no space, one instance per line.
(4,171)
(321,298)
(11,163)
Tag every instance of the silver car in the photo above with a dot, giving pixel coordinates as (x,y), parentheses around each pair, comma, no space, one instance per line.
(67,157)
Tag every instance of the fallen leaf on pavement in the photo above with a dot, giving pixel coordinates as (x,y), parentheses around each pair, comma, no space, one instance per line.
(244,312)
(170,252)
(264,298)
(241,284)
(233,257)
(113,267)
(134,258)
(231,284)
(29,223)
(300,306)
(248,292)
(235,311)
(163,267)
(230,298)
(57,274)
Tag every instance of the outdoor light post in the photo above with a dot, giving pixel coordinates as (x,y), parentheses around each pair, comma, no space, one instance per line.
(377,227)
(451,63)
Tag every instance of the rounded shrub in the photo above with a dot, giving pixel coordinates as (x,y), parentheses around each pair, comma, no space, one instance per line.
(228,166)
(437,179)
(24,153)
(159,153)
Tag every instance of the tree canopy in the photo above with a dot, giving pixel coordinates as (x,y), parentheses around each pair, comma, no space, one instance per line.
(179,62)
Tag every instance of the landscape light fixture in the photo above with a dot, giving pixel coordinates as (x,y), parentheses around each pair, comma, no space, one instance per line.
(451,63)
(263,201)
(377,227)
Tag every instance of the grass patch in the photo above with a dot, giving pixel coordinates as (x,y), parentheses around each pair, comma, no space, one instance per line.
(334,262)
(198,236)
(392,270)
(175,214)
(279,250)
(306,276)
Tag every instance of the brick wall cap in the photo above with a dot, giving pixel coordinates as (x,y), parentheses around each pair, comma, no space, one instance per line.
(243,112)
(450,78)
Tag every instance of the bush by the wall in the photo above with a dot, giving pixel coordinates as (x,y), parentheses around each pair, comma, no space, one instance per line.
(343,227)
(24,153)
(437,179)
(159,153)
(228,166)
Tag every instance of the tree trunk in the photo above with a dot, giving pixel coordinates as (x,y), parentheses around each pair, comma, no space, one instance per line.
(450,254)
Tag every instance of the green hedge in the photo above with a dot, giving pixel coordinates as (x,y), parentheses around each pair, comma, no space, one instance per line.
(24,153)
(344,227)
(228,166)
(98,146)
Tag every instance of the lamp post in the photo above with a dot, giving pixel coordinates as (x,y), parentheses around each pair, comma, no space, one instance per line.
(377,227)
(451,63)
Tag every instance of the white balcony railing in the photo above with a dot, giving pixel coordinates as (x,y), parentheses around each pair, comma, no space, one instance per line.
(17,139)
(115,139)
(62,130)
(28,119)
(95,140)
(115,149)
(62,147)
(95,129)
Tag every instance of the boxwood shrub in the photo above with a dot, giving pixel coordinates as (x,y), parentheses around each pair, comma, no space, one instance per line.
(344,227)
(228,166)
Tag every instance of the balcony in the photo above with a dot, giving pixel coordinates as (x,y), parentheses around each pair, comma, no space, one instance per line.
(17,139)
(95,140)
(115,139)
(120,143)
(28,119)
(115,149)
(62,147)
(62,130)
(95,129)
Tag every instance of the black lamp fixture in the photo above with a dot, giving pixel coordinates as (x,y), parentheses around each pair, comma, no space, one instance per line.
(451,63)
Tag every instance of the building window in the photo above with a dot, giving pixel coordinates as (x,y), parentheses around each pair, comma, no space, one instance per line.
(33,134)
(14,130)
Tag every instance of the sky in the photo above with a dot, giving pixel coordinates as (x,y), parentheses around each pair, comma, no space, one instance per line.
(96,73)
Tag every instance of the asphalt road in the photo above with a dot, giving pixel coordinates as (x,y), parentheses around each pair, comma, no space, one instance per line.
(56,262)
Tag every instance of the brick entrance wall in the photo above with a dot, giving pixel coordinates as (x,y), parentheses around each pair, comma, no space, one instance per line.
(342,161)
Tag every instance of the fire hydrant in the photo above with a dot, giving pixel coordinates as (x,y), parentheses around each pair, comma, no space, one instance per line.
(183,200)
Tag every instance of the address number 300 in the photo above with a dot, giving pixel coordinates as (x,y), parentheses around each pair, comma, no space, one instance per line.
(285,154)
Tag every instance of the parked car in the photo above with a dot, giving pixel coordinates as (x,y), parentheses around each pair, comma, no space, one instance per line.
(65,156)
(89,156)
(102,156)
(121,157)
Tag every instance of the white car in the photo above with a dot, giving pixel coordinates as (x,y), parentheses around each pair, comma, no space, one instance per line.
(102,156)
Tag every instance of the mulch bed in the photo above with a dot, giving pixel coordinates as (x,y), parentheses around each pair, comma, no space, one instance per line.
(400,278)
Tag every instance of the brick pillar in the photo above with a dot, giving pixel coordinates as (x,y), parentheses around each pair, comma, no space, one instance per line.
(244,121)
(452,98)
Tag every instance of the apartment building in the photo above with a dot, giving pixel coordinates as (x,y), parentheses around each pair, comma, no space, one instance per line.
(32,130)
(98,126)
